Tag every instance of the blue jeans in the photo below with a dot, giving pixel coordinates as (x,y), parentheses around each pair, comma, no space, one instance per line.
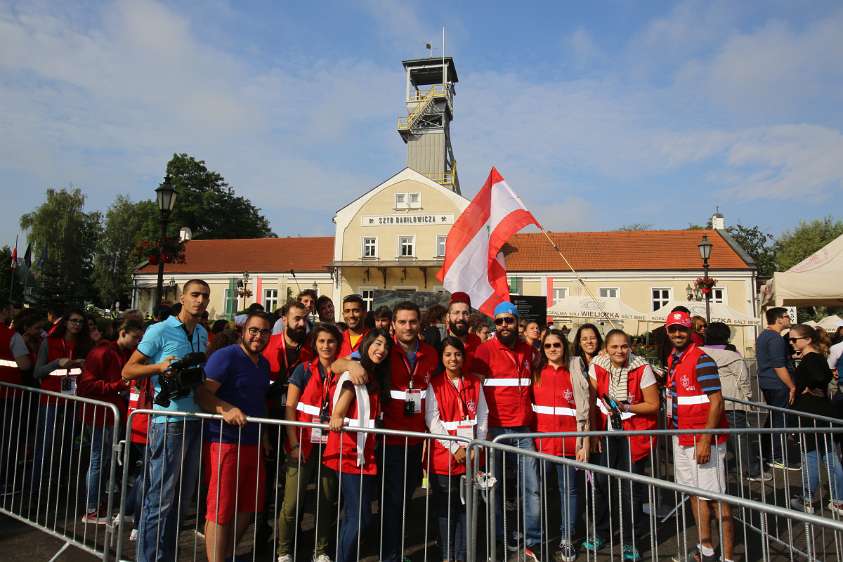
(397,493)
(777,398)
(566,476)
(831,458)
(615,494)
(747,460)
(450,514)
(174,450)
(53,443)
(100,457)
(528,492)
(356,493)
(137,480)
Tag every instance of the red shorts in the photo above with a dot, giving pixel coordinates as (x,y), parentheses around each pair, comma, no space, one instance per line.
(232,486)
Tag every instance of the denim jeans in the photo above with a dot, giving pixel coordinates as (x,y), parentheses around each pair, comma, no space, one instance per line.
(831,458)
(174,450)
(528,490)
(777,398)
(397,493)
(566,477)
(100,458)
(356,493)
(450,514)
(53,444)
(138,480)
(746,460)
(622,494)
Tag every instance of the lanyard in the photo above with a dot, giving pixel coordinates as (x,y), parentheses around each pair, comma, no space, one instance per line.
(412,371)
(463,405)
(327,379)
(288,368)
(68,354)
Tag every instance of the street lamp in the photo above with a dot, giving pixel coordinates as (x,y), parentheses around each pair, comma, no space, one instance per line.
(165,195)
(243,290)
(705,253)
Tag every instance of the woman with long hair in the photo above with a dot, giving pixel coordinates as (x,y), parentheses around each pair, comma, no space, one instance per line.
(627,399)
(454,405)
(352,453)
(811,346)
(587,344)
(558,400)
(309,393)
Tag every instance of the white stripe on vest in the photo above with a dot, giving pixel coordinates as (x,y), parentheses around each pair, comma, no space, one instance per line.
(453,425)
(7,363)
(66,372)
(692,400)
(308,409)
(558,411)
(399,395)
(507,382)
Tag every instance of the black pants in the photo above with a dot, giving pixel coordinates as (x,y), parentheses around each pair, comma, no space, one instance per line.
(626,497)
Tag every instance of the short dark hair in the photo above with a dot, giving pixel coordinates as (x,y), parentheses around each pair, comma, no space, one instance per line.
(322,300)
(354,297)
(717,333)
(454,342)
(257,314)
(406,305)
(218,326)
(195,282)
(292,305)
(255,307)
(130,325)
(681,308)
(308,293)
(383,312)
(328,328)
(773,314)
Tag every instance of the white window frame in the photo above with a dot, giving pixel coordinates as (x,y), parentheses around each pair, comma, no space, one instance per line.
(723,295)
(559,293)
(412,238)
(609,289)
(401,201)
(370,300)
(653,298)
(441,242)
(374,240)
(267,299)
(410,200)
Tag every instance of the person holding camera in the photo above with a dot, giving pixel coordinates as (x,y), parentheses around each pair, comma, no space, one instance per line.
(173,447)
(237,379)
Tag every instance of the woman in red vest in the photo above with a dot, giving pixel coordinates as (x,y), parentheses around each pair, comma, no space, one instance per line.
(352,453)
(627,400)
(454,405)
(60,361)
(555,394)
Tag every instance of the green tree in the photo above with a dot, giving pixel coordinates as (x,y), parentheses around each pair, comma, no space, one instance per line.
(759,245)
(795,245)
(6,278)
(126,223)
(209,206)
(64,237)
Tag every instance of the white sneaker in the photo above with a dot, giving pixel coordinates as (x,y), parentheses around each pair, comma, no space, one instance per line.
(285,558)
(322,558)
(133,536)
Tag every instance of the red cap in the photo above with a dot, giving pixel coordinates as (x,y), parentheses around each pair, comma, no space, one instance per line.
(459,296)
(678,318)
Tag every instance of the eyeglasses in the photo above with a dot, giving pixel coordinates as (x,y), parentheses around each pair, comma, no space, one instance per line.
(257,331)
(555,345)
(509,320)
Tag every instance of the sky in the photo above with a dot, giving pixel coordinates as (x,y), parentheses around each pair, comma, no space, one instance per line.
(598,114)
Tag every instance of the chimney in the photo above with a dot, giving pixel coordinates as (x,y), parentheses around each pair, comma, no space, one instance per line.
(185,234)
(718,222)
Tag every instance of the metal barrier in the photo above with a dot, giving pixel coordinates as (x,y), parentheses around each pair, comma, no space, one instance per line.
(274,511)
(769,526)
(58,457)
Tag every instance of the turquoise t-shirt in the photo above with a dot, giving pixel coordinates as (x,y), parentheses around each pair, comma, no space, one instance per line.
(170,338)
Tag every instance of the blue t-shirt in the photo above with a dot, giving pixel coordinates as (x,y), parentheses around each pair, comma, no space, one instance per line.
(242,384)
(770,353)
(169,338)
(302,373)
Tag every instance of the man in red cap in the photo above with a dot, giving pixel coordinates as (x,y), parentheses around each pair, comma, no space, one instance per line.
(699,459)
(459,317)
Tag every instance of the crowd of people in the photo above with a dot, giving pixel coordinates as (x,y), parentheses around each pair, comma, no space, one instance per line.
(443,373)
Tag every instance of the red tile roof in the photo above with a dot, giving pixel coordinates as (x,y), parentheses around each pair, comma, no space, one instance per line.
(301,254)
(617,250)
(587,251)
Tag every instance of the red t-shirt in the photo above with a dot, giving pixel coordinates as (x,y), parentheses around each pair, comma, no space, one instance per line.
(507,377)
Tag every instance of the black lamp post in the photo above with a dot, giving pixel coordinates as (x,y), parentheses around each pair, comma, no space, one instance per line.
(165,194)
(705,253)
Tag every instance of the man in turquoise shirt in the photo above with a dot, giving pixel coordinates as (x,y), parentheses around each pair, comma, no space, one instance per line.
(173,442)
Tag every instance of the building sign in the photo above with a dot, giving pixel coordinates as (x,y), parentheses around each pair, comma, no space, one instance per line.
(530,308)
(405,220)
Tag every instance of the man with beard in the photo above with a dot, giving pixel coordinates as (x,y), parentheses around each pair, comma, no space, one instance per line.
(353,314)
(459,324)
(505,364)
(286,350)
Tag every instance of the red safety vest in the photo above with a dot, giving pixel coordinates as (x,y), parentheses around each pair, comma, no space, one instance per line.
(508,380)
(140,423)
(58,347)
(400,376)
(457,407)
(276,353)
(9,371)
(346,348)
(640,445)
(101,380)
(555,410)
(344,444)
(471,343)
(692,404)
(317,393)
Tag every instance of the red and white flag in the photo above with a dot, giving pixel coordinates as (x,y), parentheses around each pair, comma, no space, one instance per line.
(473,262)
(14,263)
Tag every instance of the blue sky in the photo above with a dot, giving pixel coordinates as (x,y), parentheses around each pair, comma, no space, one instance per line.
(598,114)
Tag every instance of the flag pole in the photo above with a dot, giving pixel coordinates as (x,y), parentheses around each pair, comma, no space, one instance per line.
(14,266)
(577,275)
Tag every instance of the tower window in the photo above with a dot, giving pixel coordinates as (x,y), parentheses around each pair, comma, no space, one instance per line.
(408,200)
(400,200)
(414,200)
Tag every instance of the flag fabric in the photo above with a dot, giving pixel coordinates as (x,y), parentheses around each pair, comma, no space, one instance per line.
(15,254)
(473,262)
(27,255)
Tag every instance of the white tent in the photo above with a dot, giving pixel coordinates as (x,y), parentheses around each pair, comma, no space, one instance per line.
(830,323)
(815,281)
(719,313)
(593,309)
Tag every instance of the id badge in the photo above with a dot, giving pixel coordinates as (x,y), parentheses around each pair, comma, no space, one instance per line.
(414,397)
(68,385)
(316,433)
(465,430)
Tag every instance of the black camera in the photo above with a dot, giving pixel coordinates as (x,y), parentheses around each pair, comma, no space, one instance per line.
(181,378)
(615,415)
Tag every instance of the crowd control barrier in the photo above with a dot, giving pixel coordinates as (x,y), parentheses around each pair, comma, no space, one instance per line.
(58,456)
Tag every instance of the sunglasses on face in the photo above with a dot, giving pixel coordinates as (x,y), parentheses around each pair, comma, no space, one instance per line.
(508,320)
(675,329)
(794,340)
(554,345)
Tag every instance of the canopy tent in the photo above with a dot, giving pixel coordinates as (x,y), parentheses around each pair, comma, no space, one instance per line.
(829,323)
(719,313)
(815,281)
(593,309)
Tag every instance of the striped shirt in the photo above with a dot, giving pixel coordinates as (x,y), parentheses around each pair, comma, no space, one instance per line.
(707,377)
